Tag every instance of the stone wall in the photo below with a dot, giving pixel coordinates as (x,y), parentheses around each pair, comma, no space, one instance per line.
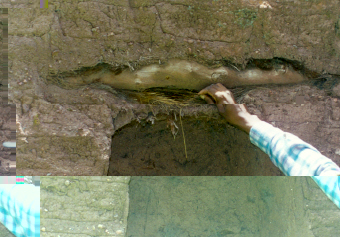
(69,131)
(84,206)
(230,206)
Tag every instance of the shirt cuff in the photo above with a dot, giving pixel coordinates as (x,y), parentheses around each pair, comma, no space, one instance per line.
(261,135)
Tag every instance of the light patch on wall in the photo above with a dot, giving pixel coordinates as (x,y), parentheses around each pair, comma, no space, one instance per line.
(182,74)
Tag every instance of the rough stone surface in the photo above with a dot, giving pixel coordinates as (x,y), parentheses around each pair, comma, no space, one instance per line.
(72,35)
(126,31)
(323,216)
(84,206)
(19,4)
(223,206)
(77,137)
(76,34)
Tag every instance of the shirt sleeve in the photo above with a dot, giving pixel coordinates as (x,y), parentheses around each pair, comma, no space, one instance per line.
(20,209)
(330,185)
(289,153)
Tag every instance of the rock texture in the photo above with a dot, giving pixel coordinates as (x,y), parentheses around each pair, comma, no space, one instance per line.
(223,206)
(321,213)
(69,131)
(84,206)
(64,139)
(78,34)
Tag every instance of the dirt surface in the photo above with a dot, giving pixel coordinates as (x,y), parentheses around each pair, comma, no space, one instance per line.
(213,148)
(230,206)
(7,133)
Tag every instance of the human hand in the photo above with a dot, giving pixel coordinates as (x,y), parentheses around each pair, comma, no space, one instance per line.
(235,114)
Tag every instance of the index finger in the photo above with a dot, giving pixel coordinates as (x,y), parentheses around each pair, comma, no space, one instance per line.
(208,96)
(208,99)
(205,91)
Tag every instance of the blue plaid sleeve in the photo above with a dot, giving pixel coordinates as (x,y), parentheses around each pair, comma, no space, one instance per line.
(330,185)
(20,209)
(289,153)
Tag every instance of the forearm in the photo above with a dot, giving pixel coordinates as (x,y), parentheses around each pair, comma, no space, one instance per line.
(247,122)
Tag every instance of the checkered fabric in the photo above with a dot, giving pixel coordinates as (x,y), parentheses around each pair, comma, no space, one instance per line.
(20,209)
(295,157)
(290,154)
(330,185)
